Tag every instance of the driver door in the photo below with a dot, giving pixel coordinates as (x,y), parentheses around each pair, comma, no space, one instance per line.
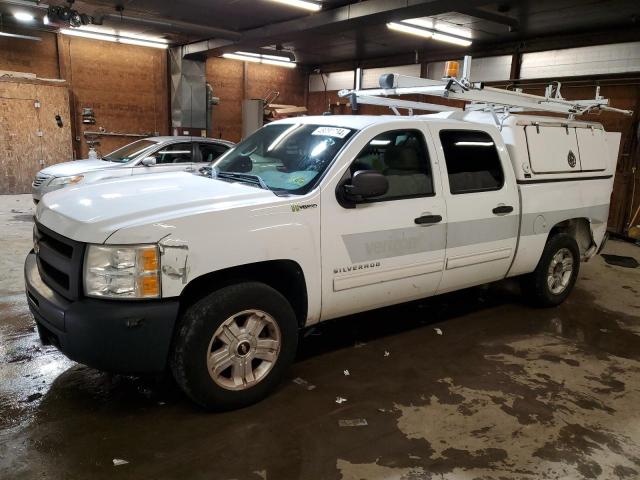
(388,249)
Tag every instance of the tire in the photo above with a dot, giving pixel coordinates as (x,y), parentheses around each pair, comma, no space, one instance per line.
(247,365)
(539,287)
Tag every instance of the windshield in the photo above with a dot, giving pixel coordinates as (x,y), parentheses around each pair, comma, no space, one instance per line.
(129,152)
(286,158)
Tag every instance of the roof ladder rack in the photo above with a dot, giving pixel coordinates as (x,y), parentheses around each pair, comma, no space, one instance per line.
(477,94)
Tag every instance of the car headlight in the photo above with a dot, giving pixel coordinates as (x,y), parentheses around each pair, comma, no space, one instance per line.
(124,271)
(62,181)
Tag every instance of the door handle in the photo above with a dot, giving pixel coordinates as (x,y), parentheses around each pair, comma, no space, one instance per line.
(503,209)
(428,219)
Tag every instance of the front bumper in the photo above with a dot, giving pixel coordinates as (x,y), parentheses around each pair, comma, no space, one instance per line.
(111,335)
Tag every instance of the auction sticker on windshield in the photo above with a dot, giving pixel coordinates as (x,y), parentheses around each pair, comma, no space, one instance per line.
(331,132)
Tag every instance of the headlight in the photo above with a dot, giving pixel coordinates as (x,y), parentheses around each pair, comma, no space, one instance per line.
(122,271)
(62,181)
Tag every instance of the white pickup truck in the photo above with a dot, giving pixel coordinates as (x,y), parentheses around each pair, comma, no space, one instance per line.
(307,220)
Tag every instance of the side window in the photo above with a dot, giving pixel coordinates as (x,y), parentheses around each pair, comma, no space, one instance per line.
(176,153)
(402,157)
(210,151)
(472,161)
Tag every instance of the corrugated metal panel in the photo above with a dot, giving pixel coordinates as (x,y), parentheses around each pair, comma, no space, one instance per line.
(371,76)
(600,59)
(487,69)
(334,80)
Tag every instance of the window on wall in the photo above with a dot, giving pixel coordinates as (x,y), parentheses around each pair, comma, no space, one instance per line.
(473,164)
(402,157)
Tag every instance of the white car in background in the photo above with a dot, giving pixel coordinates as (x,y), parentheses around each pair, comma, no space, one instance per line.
(149,155)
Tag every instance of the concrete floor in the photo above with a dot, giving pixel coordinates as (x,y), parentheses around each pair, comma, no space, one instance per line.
(505,392)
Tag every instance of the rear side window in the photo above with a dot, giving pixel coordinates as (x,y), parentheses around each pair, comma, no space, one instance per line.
(401,156)
(210,151)
(472,161)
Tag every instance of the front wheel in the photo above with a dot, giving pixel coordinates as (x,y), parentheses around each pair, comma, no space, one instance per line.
(555,276)
(234,346)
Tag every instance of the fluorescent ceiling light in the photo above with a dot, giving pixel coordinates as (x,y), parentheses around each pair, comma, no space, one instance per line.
(474,144)
(257,58)
(20,37)
(380,142)
(306,4)
(23,16)
(443,37)
(403,27)
(434,33)
(279,58)
(120,33)
(111,38)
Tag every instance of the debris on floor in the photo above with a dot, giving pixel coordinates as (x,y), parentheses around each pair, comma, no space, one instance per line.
(340,400)
(119,461)
(346,373)
(33,397)
(386,353)
(438,331)
(355,422)
(261,473)
(303,383)
(620,261)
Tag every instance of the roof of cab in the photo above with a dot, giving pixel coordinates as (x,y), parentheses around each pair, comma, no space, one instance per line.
(354,121)
(169,138)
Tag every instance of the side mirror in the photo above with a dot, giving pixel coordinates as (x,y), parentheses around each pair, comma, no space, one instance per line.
(364,184)
(149,161)
(367,184)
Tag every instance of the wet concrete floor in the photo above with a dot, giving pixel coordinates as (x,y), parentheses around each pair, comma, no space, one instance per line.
(506,391)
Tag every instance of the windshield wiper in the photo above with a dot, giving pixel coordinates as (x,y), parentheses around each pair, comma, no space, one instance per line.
(243,177)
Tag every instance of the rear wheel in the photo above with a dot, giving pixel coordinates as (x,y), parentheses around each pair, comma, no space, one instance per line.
(234,346)
(555,276)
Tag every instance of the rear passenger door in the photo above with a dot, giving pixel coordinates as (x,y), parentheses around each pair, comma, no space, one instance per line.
(208,152)
(390,248)
(482,206)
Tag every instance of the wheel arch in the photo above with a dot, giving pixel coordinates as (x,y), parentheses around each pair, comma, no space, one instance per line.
(580,229)
(285,276)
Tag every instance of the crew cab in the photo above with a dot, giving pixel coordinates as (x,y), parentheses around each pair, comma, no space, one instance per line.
(148,155)
(311,219)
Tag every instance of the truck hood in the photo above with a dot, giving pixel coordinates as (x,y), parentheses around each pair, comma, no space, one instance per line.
(79,166)
(93,212)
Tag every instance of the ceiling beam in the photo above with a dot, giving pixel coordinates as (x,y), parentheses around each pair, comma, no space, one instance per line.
(512,23)
(367,12)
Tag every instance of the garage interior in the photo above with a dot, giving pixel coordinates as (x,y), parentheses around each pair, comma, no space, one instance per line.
(473,384)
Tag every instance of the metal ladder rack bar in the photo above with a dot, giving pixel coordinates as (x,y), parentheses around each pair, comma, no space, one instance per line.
(477,94)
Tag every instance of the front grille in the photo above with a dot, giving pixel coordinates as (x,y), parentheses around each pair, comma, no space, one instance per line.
(40,179)
(59,262)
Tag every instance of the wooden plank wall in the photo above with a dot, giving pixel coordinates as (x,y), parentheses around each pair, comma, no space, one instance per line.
(30,138)
(126,85)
